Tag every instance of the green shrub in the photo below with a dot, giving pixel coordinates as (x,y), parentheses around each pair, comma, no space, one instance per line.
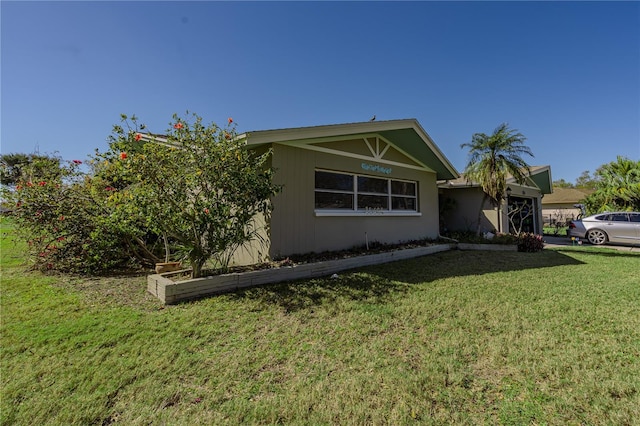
(73,221)
(195,190)
(196,183)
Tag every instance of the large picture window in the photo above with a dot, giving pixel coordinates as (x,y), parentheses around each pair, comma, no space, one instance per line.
(360,193)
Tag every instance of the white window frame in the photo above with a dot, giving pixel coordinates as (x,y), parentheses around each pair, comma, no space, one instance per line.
(367,212)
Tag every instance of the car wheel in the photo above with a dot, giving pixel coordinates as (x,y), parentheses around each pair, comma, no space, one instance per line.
(597,237)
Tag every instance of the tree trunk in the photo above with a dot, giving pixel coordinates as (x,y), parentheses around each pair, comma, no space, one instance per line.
(166,248)
(196,267)
(484,198)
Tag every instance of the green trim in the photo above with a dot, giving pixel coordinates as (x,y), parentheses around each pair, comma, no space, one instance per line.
(407,136)
(542,179)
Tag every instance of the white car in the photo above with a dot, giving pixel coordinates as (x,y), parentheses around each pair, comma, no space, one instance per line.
(615,228)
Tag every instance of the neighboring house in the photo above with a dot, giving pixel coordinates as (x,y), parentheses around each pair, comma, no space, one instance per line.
(347,185)
(520,211)
(559,207)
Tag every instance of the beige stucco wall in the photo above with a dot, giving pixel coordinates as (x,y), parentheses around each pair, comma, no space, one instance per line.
(257,250)
(464,216)
(295,228)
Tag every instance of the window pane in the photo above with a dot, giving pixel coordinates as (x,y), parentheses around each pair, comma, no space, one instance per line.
(373,202)
(635,217)
(403,188)
(620,217)
(337,181)
(403,203)
(369,184)
(604,217)
(332,200)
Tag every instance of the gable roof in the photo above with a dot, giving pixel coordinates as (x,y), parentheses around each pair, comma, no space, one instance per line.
(406,134)
(566,196)
(539,177)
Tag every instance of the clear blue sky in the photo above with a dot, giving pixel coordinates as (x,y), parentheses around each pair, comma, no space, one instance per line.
(566,75)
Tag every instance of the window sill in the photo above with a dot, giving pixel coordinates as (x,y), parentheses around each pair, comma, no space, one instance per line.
(339,213)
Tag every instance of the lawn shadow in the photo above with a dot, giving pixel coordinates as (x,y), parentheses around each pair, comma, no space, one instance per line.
(599,251)
(303,294)
(470,263)
(381,282)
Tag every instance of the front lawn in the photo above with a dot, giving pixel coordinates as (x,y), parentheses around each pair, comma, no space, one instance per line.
(456,338)
(556,231)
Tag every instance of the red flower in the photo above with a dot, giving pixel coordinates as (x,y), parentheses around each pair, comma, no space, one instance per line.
(227,135)
(18,187)
(29,183)
(138,136)
(109,188)
(18,204)
(206,210)
(61,217)
(60,238)
(77,162)
(230,120)
(123,155)
(178,126)
(42,183)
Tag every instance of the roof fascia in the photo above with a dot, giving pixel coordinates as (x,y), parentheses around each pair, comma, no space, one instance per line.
(432,145)
(460,185)
(319,132)
(541,171)
(337,131)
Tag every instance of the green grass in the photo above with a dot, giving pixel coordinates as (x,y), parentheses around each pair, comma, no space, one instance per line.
(453,338)
(555,231)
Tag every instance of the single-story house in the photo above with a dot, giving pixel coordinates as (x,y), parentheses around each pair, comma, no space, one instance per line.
(560,206)
(347,185)
(520,210)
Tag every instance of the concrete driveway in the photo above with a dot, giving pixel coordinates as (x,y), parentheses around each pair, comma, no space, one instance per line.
(566,241)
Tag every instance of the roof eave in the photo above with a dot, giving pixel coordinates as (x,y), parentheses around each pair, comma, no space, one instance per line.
(262,137)
(258,137)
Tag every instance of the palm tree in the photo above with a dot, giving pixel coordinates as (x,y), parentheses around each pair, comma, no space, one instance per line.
(494,157)
(617,187)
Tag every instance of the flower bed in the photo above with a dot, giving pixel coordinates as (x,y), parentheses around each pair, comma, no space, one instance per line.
(169,291)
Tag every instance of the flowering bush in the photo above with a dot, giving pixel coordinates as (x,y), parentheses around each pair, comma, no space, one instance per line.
(529,242)
(196,184)
(195,189)
(67,218)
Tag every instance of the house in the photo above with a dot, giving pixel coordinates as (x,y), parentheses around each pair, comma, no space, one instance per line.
(349,185)
(520,210)
(560,206)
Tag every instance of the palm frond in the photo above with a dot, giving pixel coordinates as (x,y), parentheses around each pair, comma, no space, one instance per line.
(493,157)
